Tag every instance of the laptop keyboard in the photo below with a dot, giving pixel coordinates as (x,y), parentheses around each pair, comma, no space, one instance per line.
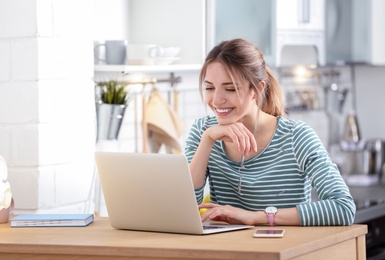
(212,227)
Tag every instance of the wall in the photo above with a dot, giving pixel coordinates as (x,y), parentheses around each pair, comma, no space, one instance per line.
(370,91)
(111,20)
(47,126)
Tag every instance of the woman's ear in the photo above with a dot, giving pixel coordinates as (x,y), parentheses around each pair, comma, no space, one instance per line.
(260,89)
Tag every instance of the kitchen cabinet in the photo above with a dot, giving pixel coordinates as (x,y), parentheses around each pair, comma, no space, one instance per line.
(303,15)
(270,25)
(300,23)
(249,19)
(354,31)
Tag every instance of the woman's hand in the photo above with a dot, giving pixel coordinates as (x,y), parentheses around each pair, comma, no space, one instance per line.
(236,133)
(228,214)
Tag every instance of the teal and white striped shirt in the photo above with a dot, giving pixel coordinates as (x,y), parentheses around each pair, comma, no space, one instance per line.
(282,175)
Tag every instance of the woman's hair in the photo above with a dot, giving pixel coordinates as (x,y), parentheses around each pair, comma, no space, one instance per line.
(241,58)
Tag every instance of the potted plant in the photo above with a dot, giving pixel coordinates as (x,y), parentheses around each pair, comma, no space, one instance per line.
(112,100)
(113,92)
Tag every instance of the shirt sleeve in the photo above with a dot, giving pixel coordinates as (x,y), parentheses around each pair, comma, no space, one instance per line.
(335,205)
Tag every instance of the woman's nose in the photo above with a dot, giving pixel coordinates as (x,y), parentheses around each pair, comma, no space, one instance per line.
(218,97)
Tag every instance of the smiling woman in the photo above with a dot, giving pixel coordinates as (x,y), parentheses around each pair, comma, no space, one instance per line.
(260,165)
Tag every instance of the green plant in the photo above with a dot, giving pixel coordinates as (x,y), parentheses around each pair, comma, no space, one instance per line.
(113,92)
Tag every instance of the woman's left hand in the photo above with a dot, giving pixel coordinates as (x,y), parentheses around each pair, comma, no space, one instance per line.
(227,214)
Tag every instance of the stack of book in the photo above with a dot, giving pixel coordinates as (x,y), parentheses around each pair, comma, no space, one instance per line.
(52,220)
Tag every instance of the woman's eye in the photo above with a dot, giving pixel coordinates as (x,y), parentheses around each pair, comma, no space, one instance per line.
(230,89)
(209,88)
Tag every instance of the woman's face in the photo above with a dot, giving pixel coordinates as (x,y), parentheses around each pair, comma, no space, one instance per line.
(230,102)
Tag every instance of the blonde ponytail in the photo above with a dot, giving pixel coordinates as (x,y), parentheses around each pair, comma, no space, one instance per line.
(274,103)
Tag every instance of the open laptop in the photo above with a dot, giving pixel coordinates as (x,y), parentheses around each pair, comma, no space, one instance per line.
(152,192)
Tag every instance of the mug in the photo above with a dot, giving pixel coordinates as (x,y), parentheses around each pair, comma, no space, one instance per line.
(142,54)
(115,52)
(99,53)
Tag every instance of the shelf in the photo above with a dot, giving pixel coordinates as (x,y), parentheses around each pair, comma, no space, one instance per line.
(153,68)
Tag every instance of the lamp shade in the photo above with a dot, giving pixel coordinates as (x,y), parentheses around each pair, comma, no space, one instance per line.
(5,192)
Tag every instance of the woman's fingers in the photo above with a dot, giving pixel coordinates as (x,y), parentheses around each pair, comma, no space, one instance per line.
(244,138)
(217,213)
(227,214)
(236,133)
(207,205)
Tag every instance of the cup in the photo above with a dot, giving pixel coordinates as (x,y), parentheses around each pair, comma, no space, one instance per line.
(169,52)
(99,53)
(115,52)
(143,54)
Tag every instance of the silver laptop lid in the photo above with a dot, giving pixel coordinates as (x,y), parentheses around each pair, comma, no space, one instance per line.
(150,192)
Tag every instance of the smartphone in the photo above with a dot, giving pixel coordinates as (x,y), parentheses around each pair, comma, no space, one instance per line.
(269,233)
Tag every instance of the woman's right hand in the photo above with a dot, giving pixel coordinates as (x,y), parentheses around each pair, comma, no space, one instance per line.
(236,133)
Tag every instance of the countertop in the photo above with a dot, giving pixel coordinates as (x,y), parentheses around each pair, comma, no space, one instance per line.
(100,240)
(370,202)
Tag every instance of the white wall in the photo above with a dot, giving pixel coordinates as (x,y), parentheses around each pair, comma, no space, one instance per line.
(111,20)
(47,132)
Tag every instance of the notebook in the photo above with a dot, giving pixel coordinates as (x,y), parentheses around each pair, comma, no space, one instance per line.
(52,220)
(152,192)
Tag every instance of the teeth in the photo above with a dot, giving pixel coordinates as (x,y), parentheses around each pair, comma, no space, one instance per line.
(224,110)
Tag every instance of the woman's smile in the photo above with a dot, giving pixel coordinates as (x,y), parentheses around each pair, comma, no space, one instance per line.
(223,111)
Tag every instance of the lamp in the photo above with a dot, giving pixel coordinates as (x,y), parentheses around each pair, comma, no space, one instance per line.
(6,202)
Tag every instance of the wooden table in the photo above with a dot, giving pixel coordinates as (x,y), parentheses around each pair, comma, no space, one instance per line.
(100,241)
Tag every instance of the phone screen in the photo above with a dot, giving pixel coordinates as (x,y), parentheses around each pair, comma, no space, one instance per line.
(269,233)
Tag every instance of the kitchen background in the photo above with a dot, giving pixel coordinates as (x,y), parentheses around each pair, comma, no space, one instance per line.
(48,68)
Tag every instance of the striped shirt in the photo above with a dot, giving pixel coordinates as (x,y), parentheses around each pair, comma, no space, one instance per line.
(282,175)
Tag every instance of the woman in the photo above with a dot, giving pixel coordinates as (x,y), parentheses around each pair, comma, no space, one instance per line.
(260,165)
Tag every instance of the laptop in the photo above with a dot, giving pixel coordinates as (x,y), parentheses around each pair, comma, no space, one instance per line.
(152,192)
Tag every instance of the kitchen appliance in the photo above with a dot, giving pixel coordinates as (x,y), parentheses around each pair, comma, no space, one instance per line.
(336,92)
(352,131)
(375,157)
(364,162)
